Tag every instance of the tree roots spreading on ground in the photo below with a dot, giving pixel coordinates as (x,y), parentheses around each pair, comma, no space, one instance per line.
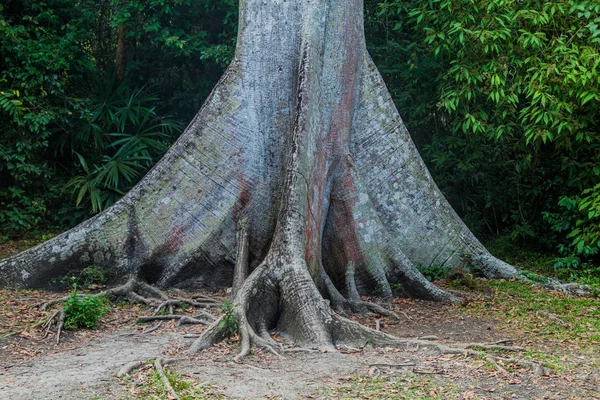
(141,293)
(297,184)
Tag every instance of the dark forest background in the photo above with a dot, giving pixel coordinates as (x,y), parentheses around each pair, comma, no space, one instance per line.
(501,97)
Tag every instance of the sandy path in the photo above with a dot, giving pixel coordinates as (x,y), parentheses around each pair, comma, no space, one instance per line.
(83,372)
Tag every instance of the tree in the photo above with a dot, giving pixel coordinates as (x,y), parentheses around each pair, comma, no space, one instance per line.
(297,179)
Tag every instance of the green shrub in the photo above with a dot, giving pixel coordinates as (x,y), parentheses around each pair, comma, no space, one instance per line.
(433,272)
(85,278)
(579,218)
(83,311)
(93,275)
(229,321)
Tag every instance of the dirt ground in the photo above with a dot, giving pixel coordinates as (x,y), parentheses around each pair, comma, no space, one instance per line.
(85,364)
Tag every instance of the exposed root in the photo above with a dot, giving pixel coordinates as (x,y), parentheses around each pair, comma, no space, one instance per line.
(249,338)
(214,334)
(202,298)
(394,366)
(570,288)
(346,332)
(351,332)
(57,319)
(136,292)
(244,343)
(171,304)
(349,350)
(205,298)
(433,371)
(354,304)
(192,321)
(575,289)
(376,370)
(152,329)
(360,307)
(183,319)
(497,366)
(500,345)
(217,332)
(247,334)
(127,368)
(130,290)
(301,350)
(331,327)
(429,337)
(478,350)
(158,364)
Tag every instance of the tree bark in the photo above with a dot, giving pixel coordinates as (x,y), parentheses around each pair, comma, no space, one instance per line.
(121,56)
(301,141)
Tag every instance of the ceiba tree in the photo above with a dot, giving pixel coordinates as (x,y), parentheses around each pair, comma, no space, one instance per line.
(296,183)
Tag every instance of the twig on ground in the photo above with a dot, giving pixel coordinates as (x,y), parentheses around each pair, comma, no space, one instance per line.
(397,365)
(428,372)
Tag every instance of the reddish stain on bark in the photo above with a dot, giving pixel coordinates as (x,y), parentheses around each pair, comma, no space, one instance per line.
(336,151)
(315,213)
(174,240)
(243,199)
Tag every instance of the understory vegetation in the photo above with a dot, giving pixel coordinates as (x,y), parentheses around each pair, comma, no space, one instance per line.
(83,311)
(408,386)
(500,96)
(561,332)
(148,384)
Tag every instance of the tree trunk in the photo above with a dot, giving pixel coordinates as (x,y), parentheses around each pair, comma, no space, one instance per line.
(300,153)
(121,56)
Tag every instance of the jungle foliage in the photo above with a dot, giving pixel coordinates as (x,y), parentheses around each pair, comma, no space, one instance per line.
(75,134)
(501,97)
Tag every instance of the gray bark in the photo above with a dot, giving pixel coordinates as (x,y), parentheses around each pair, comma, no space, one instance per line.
(301,140)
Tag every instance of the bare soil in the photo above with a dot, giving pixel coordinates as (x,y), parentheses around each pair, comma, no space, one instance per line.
(85,364)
